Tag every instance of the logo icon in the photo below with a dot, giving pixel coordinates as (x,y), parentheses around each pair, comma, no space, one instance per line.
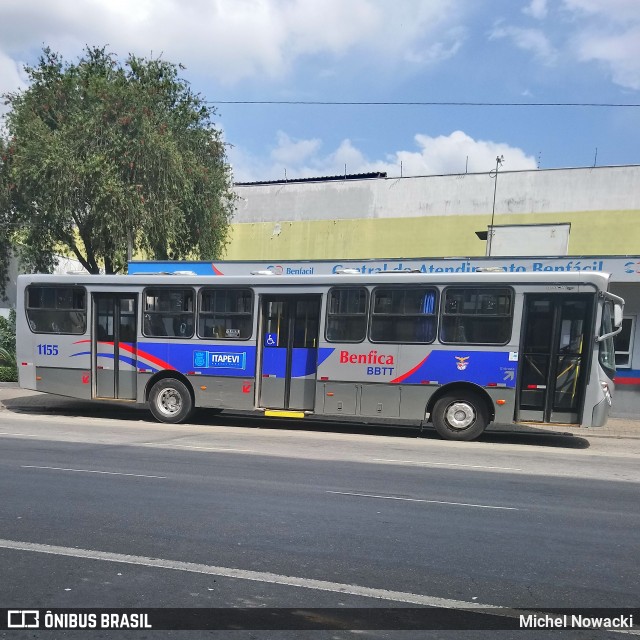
(23,619)
(462,363)
(276,268)
(199,359)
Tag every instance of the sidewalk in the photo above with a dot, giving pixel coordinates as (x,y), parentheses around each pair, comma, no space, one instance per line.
(12,398)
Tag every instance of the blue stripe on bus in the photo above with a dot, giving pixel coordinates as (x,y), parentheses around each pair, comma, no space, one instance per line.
(484,368)
(274,362)
(627,377)
(324,353)
(230,360)
(303,362)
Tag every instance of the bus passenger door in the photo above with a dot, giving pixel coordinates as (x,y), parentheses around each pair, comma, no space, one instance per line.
(289,339)
(115,346)
(553,363)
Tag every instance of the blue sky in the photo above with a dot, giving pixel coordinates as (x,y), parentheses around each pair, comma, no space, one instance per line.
(507,51)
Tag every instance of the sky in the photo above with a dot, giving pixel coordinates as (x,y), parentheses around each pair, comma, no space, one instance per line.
(241,54)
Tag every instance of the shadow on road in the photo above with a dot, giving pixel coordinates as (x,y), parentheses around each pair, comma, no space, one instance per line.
(501,434)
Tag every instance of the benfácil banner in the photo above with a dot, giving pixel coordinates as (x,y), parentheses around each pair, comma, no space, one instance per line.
(621,268)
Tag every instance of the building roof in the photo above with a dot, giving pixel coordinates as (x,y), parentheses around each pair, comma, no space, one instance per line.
(346,176)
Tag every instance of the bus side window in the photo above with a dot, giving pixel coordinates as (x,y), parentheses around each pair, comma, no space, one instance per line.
(153,325)
(476,315)
(60,310)
(225,314)
(168,312)
(347,314)
(182,326)
(403,314)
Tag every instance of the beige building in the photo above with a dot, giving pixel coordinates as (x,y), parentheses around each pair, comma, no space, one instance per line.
(433,215)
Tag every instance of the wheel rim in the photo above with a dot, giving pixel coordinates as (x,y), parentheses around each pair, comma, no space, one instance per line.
(169,402)
(460,415)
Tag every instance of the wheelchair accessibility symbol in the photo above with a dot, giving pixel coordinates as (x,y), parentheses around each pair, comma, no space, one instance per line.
(270,339)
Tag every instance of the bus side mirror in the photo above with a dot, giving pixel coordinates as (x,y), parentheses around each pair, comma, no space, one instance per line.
(617,315)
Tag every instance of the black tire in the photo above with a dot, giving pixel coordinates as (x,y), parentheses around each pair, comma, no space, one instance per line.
(170,401)
(460,416)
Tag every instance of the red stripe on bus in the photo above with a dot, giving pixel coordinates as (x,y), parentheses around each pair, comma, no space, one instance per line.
(136,352)
(404,376)
(147,356)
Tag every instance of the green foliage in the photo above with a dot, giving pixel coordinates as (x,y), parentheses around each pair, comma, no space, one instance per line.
(8,374)
(6,228)
(8,365)
(101,153)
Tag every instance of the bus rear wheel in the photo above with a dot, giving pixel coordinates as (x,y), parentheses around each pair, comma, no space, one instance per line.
(170,401)
(460,416)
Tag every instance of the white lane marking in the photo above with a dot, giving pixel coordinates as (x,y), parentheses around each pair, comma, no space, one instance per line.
(109,473)
(24,435)
(272,578)
(192,446)
(446,464)
(256,576)
(456,504)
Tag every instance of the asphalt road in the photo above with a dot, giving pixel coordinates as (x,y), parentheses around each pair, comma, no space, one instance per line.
(104,512)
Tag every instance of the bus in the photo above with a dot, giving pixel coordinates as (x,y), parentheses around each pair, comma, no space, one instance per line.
(454,350)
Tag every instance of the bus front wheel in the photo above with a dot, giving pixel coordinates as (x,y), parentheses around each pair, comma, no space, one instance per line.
(170,401)
(460,416)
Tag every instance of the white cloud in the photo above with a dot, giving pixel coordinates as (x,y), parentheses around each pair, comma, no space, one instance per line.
(330,26)
(620,52)
(291,152)
(537,9)
(11,75)
(614,10)
(422,33)
(235,39)
(438,155)
(601,31)
(457,151)
(533,40)
(11,78)
(445,48)
(609,33)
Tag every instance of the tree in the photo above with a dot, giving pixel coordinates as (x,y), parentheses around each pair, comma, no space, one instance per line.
(6,228)
(102,155)
(8,365)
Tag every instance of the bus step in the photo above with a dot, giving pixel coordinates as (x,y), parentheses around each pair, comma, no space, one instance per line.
(281,413)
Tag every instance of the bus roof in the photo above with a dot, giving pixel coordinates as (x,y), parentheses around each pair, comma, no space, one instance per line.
(598,279)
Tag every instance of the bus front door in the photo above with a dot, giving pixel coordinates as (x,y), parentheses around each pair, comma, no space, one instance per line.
(553,364)
(114,346)
(289,351)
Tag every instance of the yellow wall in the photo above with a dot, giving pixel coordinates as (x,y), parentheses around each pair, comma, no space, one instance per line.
(592,233)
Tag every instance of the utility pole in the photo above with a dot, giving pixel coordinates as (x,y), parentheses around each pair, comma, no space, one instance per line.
(499,162)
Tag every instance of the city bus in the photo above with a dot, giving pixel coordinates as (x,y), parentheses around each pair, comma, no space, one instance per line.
(453,350)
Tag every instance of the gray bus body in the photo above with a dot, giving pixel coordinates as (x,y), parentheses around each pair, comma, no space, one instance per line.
(459,350)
